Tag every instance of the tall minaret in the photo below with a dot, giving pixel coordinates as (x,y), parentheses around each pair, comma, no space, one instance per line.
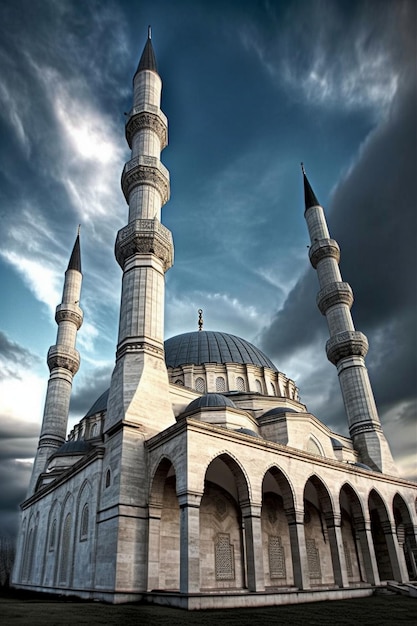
(139,390)
(347,347)
(63,363)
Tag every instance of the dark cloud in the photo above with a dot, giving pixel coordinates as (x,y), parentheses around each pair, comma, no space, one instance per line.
(14,480)
(90,389)
(373,217)
(12,356)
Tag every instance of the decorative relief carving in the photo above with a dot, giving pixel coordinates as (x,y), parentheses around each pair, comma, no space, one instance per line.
(336,293)
(221,508)
(136,346)
(69,313)
(144,119)
(323,248)
(367,427)
(224,557)
(145,237)
(276,554)
(348,560)
(345,344)
(47,442)
(141,174)
(313,559)
(64,357)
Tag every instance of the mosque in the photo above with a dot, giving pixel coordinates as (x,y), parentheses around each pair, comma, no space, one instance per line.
(199,479)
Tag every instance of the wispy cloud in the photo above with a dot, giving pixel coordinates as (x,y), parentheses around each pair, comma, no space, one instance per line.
(331,58)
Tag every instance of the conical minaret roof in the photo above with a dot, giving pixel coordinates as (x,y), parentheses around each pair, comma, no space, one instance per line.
(309,195)
(75,259)
(148,60)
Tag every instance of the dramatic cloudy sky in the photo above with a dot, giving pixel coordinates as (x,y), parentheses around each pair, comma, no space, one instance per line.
(250,89)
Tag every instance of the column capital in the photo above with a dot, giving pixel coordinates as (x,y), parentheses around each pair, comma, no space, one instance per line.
(251,509)
(332,519)
(295,516)
(191,499)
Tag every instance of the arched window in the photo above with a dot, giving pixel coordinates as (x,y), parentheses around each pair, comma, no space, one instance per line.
(200,385)
(84,524)
(93,430)
(313,447)
(220,384)
(66,539)
(108,478)
(274,393)
(52,537)
(240,384)
(258,386)
(28,557)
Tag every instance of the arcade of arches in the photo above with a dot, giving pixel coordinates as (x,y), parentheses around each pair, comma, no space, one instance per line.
(331,540)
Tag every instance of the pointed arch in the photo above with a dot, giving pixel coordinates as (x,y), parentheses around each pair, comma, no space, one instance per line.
(318,519)
(243,488)
(406,535)
(385,543)
(355,547)
(164,528)
(278,503)
(226,490)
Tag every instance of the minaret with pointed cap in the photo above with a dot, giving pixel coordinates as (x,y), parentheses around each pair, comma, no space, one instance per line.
(139,390)
(139,404)
(63,362)
(347,347)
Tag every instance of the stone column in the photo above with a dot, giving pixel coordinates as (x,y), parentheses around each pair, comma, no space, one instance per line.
(251,514)
(363,530)
(396,555)
(411,545)
(295,519)
(189,542)
(154,539)
(333,522)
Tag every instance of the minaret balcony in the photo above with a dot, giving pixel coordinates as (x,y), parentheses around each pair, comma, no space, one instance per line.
(145,237)
(322,249)
(346,344)
(335,293)
(63,357)
(146,170)
(67,312)
(147,116)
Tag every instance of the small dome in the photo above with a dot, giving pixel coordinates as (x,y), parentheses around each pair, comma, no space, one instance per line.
(363,466)
(248,431)
(278,410)
(210,400)
(69,448)
(207,346)
(99,405)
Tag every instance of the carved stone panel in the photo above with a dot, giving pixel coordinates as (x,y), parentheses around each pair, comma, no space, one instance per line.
(348,559)
(276,558)
(313,558)
(224,557)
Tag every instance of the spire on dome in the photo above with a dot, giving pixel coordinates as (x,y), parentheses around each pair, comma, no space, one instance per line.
(75,260)
(309,195)
(147,60)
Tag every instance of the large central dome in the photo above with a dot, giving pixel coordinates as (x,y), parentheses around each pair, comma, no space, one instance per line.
(207,346)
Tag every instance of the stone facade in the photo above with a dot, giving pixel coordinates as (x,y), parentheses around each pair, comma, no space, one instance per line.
(207,484)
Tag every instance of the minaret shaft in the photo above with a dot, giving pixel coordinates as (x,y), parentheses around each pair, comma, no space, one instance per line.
(144,251)
(63,363)
(346,348)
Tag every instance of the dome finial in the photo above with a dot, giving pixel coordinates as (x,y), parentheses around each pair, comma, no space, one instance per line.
(303,168)
(149,32)
(200,319)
